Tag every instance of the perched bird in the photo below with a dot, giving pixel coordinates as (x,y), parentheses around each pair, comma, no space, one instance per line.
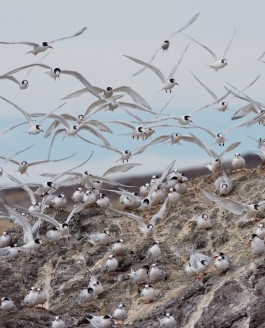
(58,323)
(156,274)
(203,221)
(168,82)
(223,184)
(5,239)
(119,248)
(87,296)
(219,63)
(40,297)
(103,201)
(7,305)
(168,321)
(199,262)
(100,239)
(29,299)
(257,245)
(120,314)
(141,275)
(78,195)
(148,293)
(238,162)
(222,263)
(260,231)
(40,47)
(96,285)
(111,264)
(154,251)
(9,252)
(105,321)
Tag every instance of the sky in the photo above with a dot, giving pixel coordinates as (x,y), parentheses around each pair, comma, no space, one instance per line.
(135,28)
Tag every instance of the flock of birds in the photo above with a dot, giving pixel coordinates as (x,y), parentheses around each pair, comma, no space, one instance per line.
(166,190)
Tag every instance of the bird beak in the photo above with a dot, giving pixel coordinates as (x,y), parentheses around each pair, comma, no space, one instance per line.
(42,131)
(249,241)
(50,47)
(176,83)
(214,257)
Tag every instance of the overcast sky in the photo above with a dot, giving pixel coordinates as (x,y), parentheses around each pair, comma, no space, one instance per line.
(136,28)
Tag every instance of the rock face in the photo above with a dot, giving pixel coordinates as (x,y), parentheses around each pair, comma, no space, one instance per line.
(236,299)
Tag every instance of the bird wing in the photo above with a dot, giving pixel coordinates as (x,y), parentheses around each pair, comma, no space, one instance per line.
(174,69)
(135,95)
(93,131)
(84,81)
(20,109)
(160,213)
(152,67)
(53,138)
(93,105)
(203,145)
(149,62)
(71,36)
(46,218)
(120,168)
(25,67)
(10,160)
(25,187)
(229,44)
(133,106)
(76,209)
(229,148)
(124,124)
(206,48)
(11,78)
(205,87)
(192,20)
(135,217)
(207,130)
(36,228)
(28,43)
(101,126)
(27,230)
(53,160)
(245,110)
(229,204)
(75,94)
(17,153)
(49,114)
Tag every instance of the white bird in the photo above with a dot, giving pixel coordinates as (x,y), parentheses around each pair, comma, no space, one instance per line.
(87,296)
(78,195)
(9,159)
(223,184)
(34,128)
(111,264)
(168,321)
(148,293)
(29,299)
(59,201)
(40,297)
(219,63)
(7,305)
(238,162)
(257,245)
(100,239)
(109,93)
(246,212)
(96,285)
(58,323)
(260,231)
(103,201)
(144,190)
(146,228)
(23,85)
(156,274)
(139,276)
(166,43)
(198,261)
(9,252)
(100,321)
(54,234)
(40,47)
(120,314)
(261,148)
(203,221)
(5,239)
(222,105)
(222,263)
(56,72)
(119,248)
(90,196)
(24,165)
(31,233)
(154,251)
(173,196)
(168,82)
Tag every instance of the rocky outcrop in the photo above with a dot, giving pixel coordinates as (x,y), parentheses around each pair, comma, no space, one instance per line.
(236,299)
